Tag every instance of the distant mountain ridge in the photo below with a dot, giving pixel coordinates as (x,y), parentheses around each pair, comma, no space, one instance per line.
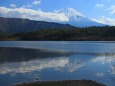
(77,19)
(16,25)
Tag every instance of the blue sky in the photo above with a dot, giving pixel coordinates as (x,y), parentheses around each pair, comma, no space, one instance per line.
(98,10)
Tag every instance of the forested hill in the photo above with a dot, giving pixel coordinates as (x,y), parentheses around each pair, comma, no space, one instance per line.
(106,33)
(16,25)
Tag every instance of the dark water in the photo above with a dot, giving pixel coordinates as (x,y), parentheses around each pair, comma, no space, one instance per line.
(46,60)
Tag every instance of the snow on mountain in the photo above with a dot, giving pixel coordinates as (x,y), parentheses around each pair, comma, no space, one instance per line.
(72,14)
(78,19)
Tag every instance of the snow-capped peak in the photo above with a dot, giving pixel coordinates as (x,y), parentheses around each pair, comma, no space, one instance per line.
(77,19)
(72,14)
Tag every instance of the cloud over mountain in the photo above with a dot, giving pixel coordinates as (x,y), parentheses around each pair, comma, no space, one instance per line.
(32,14)
(67,15)
(104,20)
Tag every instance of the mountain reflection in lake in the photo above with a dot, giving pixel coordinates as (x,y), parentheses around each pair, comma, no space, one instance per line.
(19,65)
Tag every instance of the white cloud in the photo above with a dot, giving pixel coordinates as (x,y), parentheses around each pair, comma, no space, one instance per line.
(33,3)
(28,5)
(99,5)
(32,14)
(112,10)
(36,2)
(12,5)
(105,20)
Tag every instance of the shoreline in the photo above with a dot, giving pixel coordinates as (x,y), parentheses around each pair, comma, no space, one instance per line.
(62,83)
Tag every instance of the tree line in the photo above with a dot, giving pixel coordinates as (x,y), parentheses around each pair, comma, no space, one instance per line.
(104,33)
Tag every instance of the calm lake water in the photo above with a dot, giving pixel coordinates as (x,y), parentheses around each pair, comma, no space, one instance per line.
(28,61)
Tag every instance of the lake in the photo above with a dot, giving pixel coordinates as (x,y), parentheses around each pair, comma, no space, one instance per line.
(28,61)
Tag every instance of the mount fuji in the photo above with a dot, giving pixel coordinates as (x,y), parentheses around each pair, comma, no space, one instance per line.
(77,19)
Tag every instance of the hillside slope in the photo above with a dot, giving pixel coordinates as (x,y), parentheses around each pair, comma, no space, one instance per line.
(16,25)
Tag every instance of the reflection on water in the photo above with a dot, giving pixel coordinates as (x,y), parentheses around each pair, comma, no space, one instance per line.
(27,64)
(87,46)
(22,54)
(113,69)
